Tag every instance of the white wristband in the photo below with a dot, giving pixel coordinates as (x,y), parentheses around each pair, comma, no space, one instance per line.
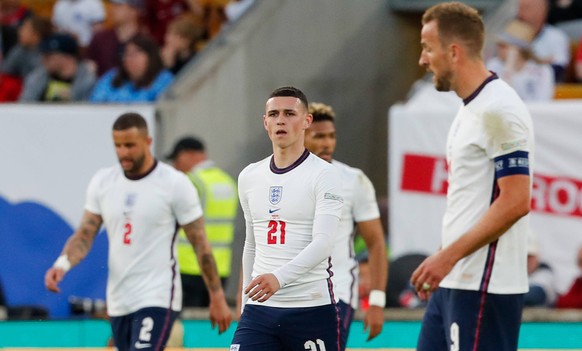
(377,298)
(63,263)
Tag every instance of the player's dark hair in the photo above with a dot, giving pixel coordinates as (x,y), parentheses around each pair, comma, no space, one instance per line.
(130,120)
(321,112)
(290,92)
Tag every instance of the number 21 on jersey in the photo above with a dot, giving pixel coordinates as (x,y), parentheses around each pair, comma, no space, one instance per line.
(276,233)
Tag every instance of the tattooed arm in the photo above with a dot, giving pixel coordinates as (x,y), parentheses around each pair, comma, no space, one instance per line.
(220,314)
(75,250)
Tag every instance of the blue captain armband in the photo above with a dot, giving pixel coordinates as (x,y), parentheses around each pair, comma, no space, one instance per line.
(513,163)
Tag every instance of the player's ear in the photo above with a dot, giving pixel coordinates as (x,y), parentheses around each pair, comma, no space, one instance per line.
(265,121)
(308,121)
(455,51)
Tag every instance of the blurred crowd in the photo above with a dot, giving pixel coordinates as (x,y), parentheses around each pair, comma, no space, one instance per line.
(103,51)
(540,49)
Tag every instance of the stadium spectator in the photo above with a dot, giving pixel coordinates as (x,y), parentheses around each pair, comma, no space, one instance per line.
(23,58)
(13,13)
(573,298)
(62,76)
(80,18)
(219,199)
(26,56)
(515,63)
(181,43)
(550,44)
(140,77)
(106,46)
(160,13)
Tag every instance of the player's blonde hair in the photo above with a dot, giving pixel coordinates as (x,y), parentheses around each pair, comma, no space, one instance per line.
(457,21)
(321,112)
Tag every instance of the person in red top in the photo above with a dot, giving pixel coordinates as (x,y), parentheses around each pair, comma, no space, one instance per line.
(106,46)
(13,13)
(573,298)
(159,14)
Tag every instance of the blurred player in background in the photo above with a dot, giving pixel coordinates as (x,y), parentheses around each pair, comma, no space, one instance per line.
(360,211)
(140,203)
(479,276)
(292,207)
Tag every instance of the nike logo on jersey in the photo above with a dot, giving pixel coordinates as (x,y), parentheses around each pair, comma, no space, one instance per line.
(273,210)
(139,345)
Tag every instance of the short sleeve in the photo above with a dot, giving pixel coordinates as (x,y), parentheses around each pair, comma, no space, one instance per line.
(505,133)
(328,188)
(365,204)
(185,201)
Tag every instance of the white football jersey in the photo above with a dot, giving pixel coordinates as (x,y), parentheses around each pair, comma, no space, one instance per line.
(141,218)
(280,205)
(492,122)
(360,205)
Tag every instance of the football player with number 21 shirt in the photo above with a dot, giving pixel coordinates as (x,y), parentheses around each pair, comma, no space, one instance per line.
(292,209)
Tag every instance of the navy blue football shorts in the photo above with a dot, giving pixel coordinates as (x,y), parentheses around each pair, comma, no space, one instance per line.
(145,329)
(467,320)
(346,312)
(287,329)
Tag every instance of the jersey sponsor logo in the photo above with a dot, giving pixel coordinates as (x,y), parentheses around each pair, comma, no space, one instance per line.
(273,210)
(139,345)
(335,197)
(234,347)
(555,195)
(275,194)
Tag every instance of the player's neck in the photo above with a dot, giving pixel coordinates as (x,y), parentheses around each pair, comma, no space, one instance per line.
(145,169)
(285,157)
(472,75)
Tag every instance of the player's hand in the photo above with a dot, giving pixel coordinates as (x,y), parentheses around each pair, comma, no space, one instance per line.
(52,278)
(374,321)
(262,287)
(220,314)
(427,277)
